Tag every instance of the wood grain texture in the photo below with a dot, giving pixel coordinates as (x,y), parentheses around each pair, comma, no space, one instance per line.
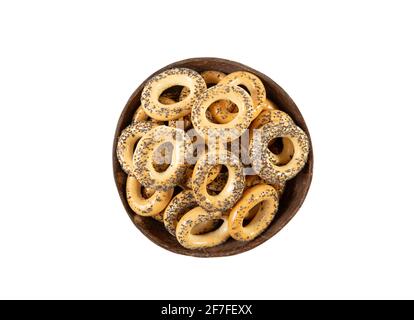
(292,198)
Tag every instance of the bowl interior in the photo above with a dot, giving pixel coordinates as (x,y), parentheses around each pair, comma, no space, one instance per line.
(290,202)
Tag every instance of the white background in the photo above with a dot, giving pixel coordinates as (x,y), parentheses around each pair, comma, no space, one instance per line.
(66,71)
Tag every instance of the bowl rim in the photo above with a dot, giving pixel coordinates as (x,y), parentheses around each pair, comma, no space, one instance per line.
(306,182)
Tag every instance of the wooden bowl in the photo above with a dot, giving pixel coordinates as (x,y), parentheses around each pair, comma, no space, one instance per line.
(290,202)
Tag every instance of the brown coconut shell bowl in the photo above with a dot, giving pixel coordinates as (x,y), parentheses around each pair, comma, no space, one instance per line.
(290,202)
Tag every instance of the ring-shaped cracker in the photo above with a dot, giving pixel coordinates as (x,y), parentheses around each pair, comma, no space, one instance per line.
(169,78)
(275,116)
(142,206)
(127,141)
(233,188)
(262,194)
(263,160)
(185,229)
(227,131)
(222,113)
(144,155)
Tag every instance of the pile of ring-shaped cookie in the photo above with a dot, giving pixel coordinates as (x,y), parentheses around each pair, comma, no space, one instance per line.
(205,203)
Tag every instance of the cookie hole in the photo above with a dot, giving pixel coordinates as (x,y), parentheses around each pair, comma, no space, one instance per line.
(245,88)
(199,149)
(147,192)
(135,145)
(162,156)
(252,213)
(221,110)
(206,227)
(233,108)
(224,169)
(172,93)
(218,184)
(256,215)
(276,145)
